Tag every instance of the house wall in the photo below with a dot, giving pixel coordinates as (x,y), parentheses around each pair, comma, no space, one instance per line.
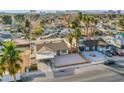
(90,48)
(98,48)
(101,49)
(122,46)
(25,56)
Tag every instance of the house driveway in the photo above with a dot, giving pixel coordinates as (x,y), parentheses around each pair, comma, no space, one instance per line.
(93,56)
(68,60)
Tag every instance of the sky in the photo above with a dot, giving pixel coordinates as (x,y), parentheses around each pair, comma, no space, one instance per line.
(25,11)
(15,11)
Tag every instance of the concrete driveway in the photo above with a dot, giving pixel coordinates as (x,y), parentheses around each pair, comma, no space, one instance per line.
(68,60)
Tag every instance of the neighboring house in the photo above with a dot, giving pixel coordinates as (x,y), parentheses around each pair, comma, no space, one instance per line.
(121,43)
(93,45)
(5,36)
(115,42)
(22,44)
(48,50)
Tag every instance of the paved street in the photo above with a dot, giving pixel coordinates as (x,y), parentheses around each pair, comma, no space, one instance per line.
(94,73)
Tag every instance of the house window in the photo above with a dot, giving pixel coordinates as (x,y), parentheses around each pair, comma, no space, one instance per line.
(87,48)
(58,52)
(93,47)
(64,51)
(122,47)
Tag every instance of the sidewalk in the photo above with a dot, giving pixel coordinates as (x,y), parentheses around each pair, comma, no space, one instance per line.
(114,69)
(114,58)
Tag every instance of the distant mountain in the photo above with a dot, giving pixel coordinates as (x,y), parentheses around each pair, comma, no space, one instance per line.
(54,11)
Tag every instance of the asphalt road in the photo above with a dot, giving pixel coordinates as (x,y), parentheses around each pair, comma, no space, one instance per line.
(94,73)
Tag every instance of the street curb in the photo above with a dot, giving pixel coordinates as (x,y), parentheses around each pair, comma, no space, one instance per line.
(120,65)
(112,69)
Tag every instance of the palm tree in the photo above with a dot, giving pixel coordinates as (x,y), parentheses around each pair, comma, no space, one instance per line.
(2,68)
(86,21)
(77,34)
(94,22)
(109,17)
(70,39)
(23,23)
(27,28)
(11,58)
(79,16)
(74,24)
(20,18)
(34,17)
(121,22)
(67,20)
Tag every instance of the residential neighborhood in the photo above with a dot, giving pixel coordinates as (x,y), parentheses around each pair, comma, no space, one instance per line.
(62,46)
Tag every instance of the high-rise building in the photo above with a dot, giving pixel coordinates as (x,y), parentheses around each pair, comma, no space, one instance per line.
(118,11)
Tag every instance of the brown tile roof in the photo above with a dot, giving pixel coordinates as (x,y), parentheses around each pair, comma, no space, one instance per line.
(44,48)
(95,43)
(102,43)
(54,46)
(21,42)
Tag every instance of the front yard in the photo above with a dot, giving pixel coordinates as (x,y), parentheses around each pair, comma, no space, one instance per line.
(93,56)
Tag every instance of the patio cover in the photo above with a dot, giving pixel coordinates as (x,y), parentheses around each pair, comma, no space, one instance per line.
(45,55)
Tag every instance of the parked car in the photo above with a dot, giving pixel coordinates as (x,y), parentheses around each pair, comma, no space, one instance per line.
(120,53)
(113,53)
(109,62)
(108,54)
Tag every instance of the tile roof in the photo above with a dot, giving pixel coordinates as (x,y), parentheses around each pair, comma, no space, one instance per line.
(95,43)
(54,46)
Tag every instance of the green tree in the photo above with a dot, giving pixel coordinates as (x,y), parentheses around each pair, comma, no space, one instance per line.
(77,35)
(74,24)
(70,39)
(20,18)
(25,28)
(110,17)
(2,68)
(7,19)
(121,22)
(34,17)
(79,16)
(86,21)
(38,30)
(11,58)
(94,22)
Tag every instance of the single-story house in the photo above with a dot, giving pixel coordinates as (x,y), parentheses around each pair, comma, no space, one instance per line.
(112,41)
(5,36)
(22,44)
(50,49)
(121,40)
(120,35)
(93,45)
